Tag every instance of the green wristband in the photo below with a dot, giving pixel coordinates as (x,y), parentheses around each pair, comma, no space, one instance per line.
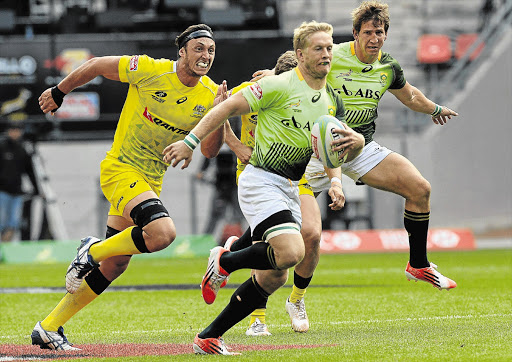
(191,141)
(437,110)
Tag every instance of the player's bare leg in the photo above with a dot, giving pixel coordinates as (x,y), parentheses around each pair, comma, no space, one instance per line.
(398,175)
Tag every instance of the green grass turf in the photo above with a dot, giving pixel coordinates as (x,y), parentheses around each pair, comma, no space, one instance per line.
(361,303)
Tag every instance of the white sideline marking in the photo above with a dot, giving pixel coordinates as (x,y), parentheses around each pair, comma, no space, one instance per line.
(368,321)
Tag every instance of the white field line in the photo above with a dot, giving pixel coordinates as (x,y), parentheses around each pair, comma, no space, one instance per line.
(368,321)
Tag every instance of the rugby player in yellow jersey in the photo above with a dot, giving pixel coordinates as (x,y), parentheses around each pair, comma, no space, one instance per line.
(361,72)
(287,104)
(165,100)
(311,227)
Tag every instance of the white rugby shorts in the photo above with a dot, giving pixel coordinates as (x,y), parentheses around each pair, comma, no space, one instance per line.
(371,155)
(262,194)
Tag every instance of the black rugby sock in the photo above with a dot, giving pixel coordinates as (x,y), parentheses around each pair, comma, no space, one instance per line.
(300,282)
(97,281)
(416,225)
(243,241)
(243,301)
(259,256)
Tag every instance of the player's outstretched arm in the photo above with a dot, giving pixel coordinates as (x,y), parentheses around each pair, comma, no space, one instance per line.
(51,99)
(414,99)
(182,150)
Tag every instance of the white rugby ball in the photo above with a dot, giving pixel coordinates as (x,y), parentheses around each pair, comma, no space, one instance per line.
(321,137)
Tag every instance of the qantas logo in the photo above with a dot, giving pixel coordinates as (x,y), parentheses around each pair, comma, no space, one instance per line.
(161,123)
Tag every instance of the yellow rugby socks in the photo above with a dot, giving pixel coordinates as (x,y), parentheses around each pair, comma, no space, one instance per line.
(122,243)
(258,313)
(95,283)
(299,287)
(297,294)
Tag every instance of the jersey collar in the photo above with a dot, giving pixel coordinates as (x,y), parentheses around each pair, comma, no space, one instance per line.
(299,74)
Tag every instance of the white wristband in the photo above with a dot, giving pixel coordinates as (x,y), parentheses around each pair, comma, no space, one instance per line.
(336,179)
(191,141)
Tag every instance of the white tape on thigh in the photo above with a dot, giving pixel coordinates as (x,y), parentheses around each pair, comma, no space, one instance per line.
(286,228)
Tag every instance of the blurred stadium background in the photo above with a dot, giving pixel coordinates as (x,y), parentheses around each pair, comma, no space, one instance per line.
(465,66)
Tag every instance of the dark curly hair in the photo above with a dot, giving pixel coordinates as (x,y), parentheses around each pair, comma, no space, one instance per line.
(181,40)
(371,10)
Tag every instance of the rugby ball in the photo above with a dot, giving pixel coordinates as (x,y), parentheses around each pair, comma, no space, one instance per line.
(322,134)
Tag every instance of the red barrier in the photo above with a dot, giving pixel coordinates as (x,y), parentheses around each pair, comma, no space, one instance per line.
(334,241)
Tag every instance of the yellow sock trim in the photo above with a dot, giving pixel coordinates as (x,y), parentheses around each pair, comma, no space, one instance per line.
(68,307)
(258,313)
(118,244)
(297,294)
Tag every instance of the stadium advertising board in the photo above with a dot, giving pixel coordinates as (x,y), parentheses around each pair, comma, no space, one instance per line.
(335,241)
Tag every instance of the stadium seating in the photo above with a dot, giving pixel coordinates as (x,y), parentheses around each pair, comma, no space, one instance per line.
(464,42)
(434,49)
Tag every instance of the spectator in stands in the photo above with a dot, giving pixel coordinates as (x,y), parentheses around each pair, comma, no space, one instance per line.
(268,186)
(165,101)
(361,72)
(15,162)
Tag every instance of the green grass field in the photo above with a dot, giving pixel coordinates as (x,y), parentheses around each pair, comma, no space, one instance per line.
(360,306)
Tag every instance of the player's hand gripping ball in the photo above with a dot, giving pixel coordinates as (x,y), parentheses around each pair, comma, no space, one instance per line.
(322,134)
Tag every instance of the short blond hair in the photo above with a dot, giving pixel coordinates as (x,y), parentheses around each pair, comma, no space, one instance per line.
(286,62)
(305,30)
(371,10)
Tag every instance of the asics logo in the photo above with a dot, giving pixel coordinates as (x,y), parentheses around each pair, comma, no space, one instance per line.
(367,69)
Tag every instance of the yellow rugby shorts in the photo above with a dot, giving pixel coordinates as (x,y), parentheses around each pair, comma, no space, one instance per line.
(305,187)
(121,182)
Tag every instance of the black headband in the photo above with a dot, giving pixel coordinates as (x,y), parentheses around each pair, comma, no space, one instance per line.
(194,35)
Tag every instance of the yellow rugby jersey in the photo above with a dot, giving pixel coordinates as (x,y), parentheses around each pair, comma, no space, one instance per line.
(159,110)
(248,128)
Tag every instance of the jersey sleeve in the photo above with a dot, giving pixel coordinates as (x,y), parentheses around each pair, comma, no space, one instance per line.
(136,69)
(399,78)
(264,93)
(238,88)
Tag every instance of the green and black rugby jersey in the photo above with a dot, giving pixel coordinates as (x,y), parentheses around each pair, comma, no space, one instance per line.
(287,108)
(362,85)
